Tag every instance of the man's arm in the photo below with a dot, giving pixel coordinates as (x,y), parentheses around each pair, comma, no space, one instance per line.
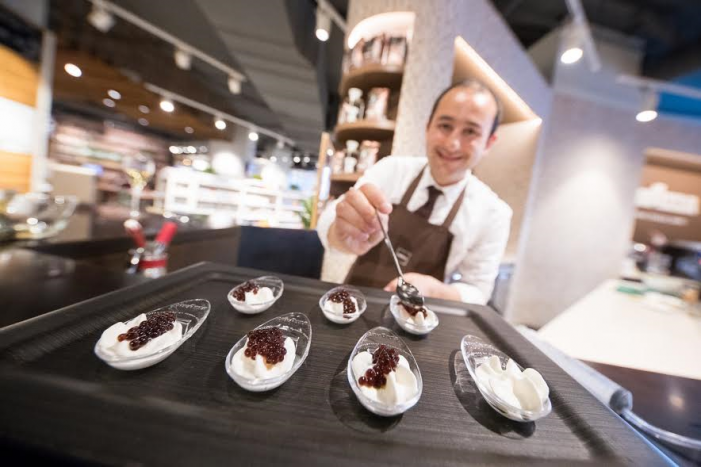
(349,224)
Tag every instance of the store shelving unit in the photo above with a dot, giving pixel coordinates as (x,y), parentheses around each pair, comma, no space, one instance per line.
(186,191)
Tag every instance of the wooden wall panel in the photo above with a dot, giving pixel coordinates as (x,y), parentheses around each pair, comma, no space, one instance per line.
(16,171)
(19,79)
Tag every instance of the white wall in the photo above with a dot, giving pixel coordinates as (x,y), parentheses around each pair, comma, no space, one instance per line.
(507,168)
(580,217)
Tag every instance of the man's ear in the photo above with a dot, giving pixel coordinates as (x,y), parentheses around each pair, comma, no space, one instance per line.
(491,140)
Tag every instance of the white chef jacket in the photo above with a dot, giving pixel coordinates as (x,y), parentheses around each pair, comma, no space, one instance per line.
(480,228)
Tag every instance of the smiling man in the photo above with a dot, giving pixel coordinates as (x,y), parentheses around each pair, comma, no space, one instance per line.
(443,221)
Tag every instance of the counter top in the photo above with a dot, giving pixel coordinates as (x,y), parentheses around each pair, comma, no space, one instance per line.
(615,328)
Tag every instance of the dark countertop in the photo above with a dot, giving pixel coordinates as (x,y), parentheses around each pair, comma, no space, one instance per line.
(91,263)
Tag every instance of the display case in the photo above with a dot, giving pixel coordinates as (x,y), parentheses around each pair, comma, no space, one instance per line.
(247,201)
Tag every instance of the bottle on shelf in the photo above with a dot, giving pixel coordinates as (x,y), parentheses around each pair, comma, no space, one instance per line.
(353,107)
(351,159)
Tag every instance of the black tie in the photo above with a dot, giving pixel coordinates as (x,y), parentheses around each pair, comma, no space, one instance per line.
(425,210)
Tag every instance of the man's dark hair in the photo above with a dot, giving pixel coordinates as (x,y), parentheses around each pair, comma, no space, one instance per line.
(476,86)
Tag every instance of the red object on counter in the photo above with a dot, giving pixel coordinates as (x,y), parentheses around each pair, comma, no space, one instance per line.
(135,231)
(167,232)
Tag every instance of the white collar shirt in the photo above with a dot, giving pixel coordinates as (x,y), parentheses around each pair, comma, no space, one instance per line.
(480,228)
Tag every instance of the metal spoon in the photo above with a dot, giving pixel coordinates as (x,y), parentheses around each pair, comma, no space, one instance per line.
(407,293)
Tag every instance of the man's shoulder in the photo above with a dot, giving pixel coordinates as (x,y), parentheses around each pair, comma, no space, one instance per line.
(489,199)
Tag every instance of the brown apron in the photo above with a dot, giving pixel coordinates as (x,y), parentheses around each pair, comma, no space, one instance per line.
(420,246)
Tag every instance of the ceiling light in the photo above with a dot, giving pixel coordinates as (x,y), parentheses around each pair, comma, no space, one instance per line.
(116,95)
(273,159)
(167,106)
(189,130)
(144,109)
(183,59)
(220,124)
(101,19)
(572,55)
(108,102)
(253,136)
(73,70)
(648,109)
(174,150)
(191,149)
(306,159)
(280,144)
(571,45)
(323,24)
(296,159)
(143,122)
(234,85)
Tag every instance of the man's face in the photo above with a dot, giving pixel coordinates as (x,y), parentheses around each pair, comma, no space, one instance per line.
(458,134)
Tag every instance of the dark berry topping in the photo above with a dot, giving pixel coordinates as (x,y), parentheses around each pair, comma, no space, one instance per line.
(268,343)
(155,325)
(240,292)
(414,310)
(384,360)
(342,296)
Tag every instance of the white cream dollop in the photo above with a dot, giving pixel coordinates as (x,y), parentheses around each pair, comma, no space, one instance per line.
(110,346)
(525,390)
(401,383)
(419,320)
(264,295)
(257,368)
(336,308)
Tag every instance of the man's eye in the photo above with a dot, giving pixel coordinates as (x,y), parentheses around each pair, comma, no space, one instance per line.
(445,126)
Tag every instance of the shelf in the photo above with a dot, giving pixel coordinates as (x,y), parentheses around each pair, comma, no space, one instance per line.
(347,178)
(375,130)
(373,75)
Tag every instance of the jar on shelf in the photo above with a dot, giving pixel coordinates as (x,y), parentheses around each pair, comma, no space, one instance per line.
(351,159)
(353,107)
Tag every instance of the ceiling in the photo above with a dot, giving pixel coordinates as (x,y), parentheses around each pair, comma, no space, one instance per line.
(670,31)
(292,78)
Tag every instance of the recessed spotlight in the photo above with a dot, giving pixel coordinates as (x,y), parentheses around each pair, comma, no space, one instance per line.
(571,56)
(144,109)
(73,70)
(220,124)
(253,136)
(116,95)
(108,102)
(189,130)
(167,106)
(143,122)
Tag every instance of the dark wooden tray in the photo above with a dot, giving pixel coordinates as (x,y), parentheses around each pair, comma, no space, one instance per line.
(61,400)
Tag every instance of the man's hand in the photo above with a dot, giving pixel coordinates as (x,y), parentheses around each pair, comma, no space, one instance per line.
(356,229)
(429,286)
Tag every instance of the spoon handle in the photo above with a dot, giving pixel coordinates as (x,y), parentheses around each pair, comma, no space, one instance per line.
(389,245)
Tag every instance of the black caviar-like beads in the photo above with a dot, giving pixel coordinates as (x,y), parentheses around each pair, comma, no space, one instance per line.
(240,292)
(268,343)
(155,325)
(343,296)
(384,359)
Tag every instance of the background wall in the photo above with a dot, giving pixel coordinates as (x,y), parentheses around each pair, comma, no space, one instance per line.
(582,211)
(508,168)
(19,80)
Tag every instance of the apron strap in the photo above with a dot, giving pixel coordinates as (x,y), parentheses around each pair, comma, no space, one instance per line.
(410,191)
(454,210)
